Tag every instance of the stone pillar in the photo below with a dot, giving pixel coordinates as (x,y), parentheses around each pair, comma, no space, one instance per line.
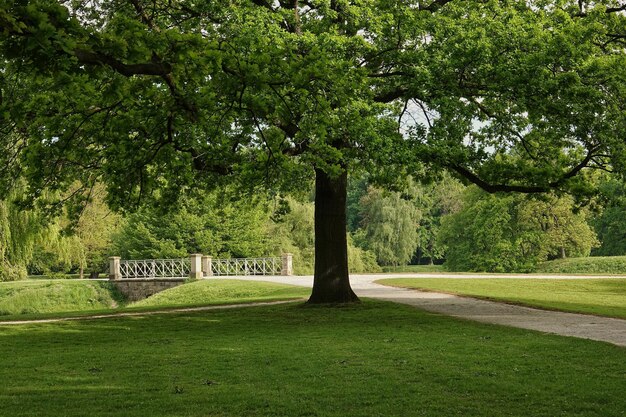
(287,268)
(207,266)
(196,266)
(114,268)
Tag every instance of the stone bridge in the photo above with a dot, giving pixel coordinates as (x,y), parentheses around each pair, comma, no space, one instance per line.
(139,279)
(135,289)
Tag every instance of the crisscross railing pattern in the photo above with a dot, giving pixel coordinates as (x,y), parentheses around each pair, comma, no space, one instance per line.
(198,266)
(247,266)
(155,268)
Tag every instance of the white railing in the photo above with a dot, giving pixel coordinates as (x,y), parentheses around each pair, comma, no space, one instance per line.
(247,266)
(198,266)
(155,268)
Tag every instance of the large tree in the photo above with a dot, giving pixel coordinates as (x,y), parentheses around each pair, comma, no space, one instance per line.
(513,233)
(157,97)
(389,226)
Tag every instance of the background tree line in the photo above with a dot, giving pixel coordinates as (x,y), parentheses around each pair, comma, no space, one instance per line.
(440,222)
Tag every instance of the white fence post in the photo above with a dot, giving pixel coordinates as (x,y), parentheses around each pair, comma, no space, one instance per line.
(207,266)
(287,268)
(196,266)
(114,268)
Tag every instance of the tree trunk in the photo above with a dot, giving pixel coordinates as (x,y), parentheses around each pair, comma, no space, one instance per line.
(331,283)
(563,255)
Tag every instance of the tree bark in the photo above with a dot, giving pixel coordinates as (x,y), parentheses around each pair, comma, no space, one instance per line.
(331,283)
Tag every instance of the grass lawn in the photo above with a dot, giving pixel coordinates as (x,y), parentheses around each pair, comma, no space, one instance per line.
(414,268)
(216,291)
(589,265)
(376,359)
(31,299)
(606,297)
(55,296)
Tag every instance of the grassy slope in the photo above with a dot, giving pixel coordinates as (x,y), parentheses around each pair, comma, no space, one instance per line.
(601,265)
(53,296)
(590,265)
(208,292)
(377,359)
(40,298)
(415,268)
(595,296)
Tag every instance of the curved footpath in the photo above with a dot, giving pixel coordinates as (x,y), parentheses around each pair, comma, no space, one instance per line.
(585,326)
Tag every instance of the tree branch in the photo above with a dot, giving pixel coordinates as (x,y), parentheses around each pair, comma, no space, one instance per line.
(149,68)
(583,13)
(435,5)
(389,96)
(526,189)
(494,188)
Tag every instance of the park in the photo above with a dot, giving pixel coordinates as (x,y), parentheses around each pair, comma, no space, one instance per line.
(312,208)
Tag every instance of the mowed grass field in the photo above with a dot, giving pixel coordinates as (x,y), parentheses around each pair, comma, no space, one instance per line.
(606,297)
(609,265)
(32,299)
(373,359)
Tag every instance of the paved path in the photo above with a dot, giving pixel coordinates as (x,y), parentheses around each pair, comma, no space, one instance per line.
(567,324)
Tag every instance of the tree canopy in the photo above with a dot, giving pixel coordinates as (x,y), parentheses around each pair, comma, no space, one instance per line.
(156,98)
(513,233)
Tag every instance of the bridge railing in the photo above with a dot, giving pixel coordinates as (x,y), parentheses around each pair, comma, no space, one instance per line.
(198,266)
(155,268)
(247,266)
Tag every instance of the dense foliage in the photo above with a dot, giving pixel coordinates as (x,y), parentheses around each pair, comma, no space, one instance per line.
(221,225)
(210,224)
(19,230)
(592,265)
(469,229)
(512,233)
(389,226)
(610,224)
(37,241)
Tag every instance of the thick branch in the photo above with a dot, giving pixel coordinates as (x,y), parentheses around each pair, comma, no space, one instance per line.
(616,9)
(527,189)
(435,5)
(389,74)
(263,3)
(583,13)
(494,188)
(389,96)
(148,68)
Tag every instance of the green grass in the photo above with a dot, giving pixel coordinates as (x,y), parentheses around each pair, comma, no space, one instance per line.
(606,297)
(32,299)
(590,265)
(215,291)
(376,359)
(414,268)
(55,296)
(60,275)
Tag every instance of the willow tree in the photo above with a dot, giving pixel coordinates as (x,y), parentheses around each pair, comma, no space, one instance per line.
(389,226)
(19,231)
(158,97)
